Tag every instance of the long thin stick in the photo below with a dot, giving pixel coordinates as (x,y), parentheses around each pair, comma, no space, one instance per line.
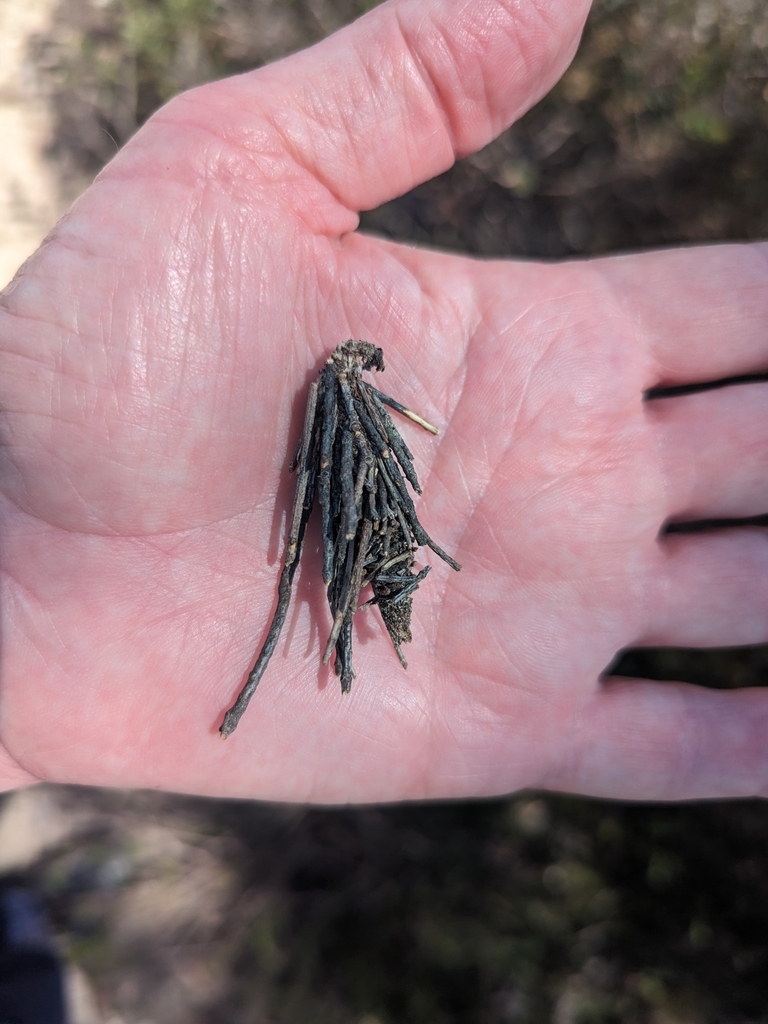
(299,517)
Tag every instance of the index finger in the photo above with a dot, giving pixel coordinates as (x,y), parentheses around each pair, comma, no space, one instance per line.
(701,313)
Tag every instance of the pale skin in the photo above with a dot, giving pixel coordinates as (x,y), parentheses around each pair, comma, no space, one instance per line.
(154,357)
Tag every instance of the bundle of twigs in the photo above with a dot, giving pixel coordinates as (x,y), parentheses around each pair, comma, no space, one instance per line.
(352,457)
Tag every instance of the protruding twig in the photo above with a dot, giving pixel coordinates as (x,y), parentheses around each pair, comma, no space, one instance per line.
(393,404)
(299,517)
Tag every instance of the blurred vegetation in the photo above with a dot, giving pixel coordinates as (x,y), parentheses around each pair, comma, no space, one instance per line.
(525,910)
(519,911)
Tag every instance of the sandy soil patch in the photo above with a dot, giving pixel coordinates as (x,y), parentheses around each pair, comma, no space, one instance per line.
(29,202)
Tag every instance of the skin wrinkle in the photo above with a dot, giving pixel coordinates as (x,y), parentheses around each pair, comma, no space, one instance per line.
(233,258)
(406,326)
(438,726)
(476,34)
(301,160)
(212,163)
(480,682)
(455,526)
(51,629)
(552,484)
(112,532)
(466,310)
(459,463)
(397,75)
(392,312)
(487,99)
(493,562)
(221,641)
(422,325)
(529,70)
(440,109)
(261,185)
(595,273)
(184,304)
(443,94)
(549,31)
(380,298)
(221,164)
(530,370)
(201,601)
(28,318)
(463,324)
(480,492)
(563,475)
(314,298)
(322,120)
(58,239)
(400,257)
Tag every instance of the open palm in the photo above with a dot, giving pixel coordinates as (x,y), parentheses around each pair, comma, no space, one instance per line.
(155,356)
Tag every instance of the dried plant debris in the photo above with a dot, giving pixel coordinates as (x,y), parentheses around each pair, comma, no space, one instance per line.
(353,459)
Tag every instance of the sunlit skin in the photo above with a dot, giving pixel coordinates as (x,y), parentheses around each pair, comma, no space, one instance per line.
(155,356)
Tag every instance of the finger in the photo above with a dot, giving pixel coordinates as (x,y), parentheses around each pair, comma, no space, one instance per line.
(711,590)
(714,446)
(391,100)
(701,313)
(638,740)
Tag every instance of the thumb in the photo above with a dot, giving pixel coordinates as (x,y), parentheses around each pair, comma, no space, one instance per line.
(394,98)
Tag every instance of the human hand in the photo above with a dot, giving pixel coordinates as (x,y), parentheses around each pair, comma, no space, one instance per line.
(153,354)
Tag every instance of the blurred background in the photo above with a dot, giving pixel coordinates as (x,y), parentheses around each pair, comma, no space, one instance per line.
(174,910)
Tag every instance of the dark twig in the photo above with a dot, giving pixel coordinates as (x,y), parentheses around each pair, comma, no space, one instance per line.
(352,455)
(302,506)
